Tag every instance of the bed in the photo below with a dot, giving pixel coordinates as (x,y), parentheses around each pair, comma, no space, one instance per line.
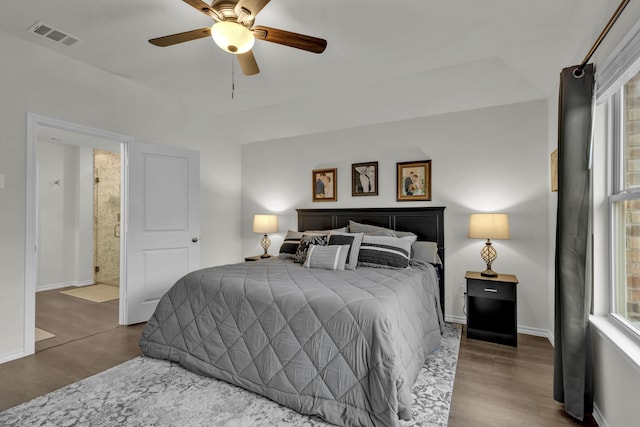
(344,345)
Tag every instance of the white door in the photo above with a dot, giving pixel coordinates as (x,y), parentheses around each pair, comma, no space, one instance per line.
(163,225)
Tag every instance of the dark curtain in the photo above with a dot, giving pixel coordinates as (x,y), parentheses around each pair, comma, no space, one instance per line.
(573,378)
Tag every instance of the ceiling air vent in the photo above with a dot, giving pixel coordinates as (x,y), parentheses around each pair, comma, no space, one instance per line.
(53,34)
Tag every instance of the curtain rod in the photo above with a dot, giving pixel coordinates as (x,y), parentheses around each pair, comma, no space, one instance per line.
(602,35)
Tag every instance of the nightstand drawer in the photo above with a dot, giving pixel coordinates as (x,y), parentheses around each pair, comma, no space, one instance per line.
(256,258)
(491,290)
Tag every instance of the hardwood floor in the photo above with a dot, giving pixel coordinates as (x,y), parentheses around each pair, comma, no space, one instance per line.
(71,318)
(503,386)
(495,385)
(88,340)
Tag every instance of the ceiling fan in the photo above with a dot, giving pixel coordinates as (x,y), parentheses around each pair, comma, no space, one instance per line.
(234,32)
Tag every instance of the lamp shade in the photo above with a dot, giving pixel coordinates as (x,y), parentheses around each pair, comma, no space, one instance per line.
(232,37)
(489,226)
(265,224)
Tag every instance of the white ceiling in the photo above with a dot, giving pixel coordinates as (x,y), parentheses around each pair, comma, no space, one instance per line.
(385,60)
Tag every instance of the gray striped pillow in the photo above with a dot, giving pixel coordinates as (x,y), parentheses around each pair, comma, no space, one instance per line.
(384,251)
(290,244)
(327,257)
(354,240)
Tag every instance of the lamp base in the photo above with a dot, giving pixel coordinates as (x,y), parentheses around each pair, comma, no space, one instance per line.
(265,243)
(488,254)
(489,273)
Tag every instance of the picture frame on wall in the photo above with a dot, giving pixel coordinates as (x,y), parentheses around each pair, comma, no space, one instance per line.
(413,181)
(325,188)
(554,170)
(364,179)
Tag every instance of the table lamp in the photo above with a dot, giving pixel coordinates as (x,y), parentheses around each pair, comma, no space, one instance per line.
(489,226)
(265,224)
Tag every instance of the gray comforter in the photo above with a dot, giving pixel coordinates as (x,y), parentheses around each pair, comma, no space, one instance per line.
(344,345)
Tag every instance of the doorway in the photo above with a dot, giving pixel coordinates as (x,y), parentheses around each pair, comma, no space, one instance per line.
(78,238)
(41,128)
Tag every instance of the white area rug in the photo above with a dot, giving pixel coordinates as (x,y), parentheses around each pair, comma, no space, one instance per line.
(41,334)
(95,293)
(150,392)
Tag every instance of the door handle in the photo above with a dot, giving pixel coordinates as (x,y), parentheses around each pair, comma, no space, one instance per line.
(195,240)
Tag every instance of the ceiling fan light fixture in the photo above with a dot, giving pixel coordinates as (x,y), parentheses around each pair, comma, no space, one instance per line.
(232,37)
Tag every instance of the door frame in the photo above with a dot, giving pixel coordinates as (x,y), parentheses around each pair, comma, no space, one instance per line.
(31,218)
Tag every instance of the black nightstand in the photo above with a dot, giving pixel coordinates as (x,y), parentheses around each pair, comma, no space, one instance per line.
(492,308)
(256,258)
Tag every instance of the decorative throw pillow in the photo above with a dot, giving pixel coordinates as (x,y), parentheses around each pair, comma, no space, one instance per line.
(327,257)
(384,251)
(353,240)
(290,244)
(426,251)
(305,241)
(406,234)
(326,232)
(374,230)
(412,238)
(370,230)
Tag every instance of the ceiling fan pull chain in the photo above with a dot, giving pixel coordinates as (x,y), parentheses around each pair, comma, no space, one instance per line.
(233,76)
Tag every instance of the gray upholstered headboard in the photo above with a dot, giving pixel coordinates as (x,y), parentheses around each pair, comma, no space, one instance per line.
(426,222)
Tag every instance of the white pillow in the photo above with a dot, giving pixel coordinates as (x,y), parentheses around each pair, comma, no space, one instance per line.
(327,257)
(426,251)
(370,230)
(374,230)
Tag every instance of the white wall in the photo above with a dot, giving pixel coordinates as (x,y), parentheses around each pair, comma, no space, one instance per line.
(84,224)
(616,383)
(552,117)
(65,221)
(492,159)
(57,177)
(51,203)
(44,82)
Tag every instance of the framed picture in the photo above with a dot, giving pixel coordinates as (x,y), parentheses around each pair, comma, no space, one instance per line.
(364,179)
(554,170)
(414,181)
(325,187)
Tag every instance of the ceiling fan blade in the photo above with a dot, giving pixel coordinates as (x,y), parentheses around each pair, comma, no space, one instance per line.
(252,7)
(181,37)
(248,64)
(287,38)
(203,7)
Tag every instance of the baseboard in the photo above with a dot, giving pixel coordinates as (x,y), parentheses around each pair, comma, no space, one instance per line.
(521,329)
(597,415)
(536,333)
(11,356)
(54,286)
(455,319)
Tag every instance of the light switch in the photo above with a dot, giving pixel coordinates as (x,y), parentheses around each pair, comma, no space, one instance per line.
(1,180)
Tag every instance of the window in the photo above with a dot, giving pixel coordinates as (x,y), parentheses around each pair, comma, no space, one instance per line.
(625,202)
